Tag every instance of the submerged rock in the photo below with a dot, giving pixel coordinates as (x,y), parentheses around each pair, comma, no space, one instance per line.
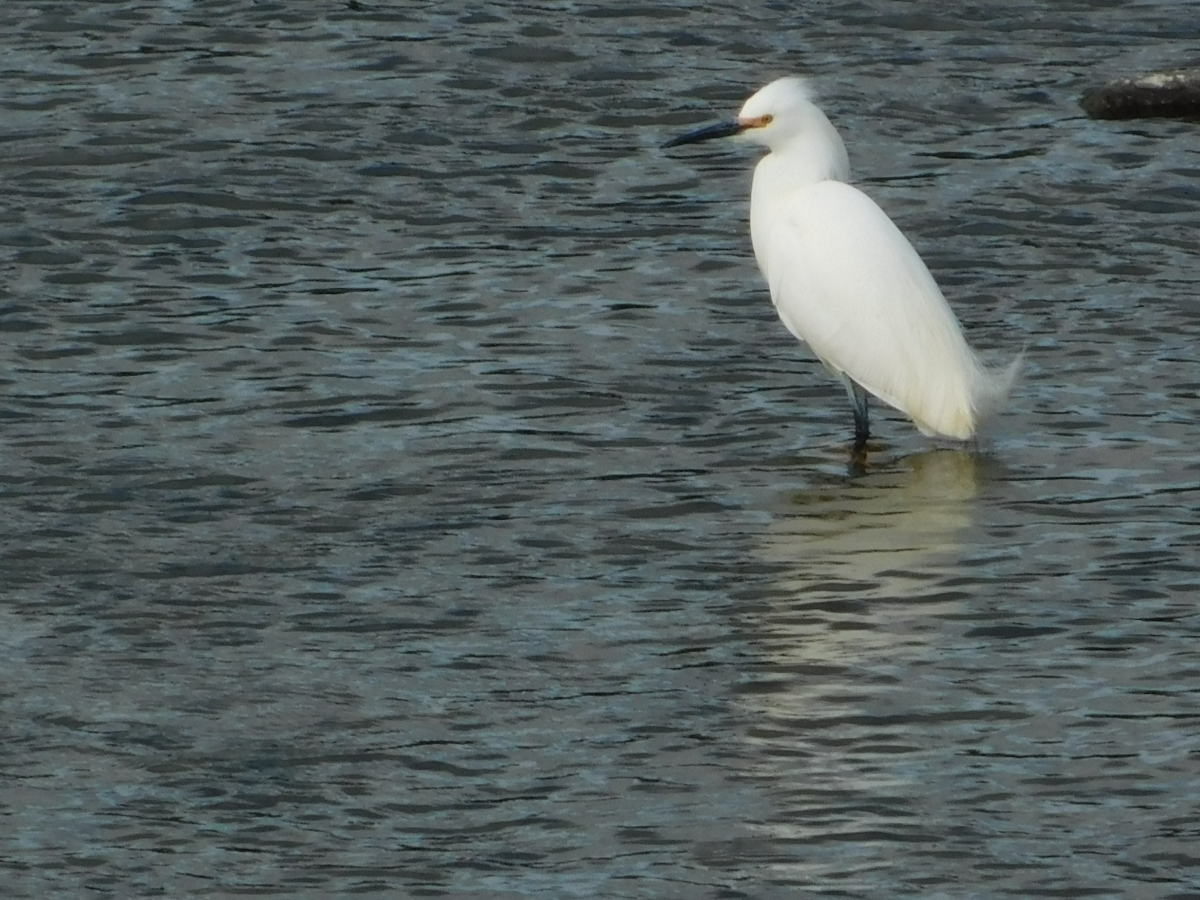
(1164,94)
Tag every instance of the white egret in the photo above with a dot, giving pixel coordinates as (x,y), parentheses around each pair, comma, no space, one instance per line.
(846,281)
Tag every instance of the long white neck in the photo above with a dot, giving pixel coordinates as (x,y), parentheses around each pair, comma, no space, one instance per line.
(811,154)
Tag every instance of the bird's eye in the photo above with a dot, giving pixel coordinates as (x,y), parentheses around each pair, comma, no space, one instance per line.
(767,119)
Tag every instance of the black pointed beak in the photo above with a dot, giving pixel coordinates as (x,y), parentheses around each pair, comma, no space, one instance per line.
(707,133)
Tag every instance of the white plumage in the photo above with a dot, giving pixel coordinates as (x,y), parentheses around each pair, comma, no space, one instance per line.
(846,281)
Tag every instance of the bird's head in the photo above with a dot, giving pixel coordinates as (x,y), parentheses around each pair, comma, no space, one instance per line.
(770,117)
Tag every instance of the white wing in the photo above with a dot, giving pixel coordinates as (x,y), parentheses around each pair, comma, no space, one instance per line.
(850,285)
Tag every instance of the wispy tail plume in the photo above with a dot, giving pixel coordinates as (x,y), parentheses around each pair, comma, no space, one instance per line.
(995,387)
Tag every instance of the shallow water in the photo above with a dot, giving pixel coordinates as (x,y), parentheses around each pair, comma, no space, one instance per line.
(410,491)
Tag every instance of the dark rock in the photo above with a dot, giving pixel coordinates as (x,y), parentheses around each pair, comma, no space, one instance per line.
(1160,94)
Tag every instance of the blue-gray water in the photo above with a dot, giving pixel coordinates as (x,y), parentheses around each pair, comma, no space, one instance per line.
(409,491)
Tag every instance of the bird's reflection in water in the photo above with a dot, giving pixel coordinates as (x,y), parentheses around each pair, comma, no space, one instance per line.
(857,554)
(885,521)
(848,650)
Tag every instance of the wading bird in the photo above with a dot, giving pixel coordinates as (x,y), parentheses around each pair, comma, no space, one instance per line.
(846,281)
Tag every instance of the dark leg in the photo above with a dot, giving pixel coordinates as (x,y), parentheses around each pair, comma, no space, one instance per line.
(858,398)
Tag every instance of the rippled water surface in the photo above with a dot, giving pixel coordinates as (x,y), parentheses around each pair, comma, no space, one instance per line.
(409,491)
